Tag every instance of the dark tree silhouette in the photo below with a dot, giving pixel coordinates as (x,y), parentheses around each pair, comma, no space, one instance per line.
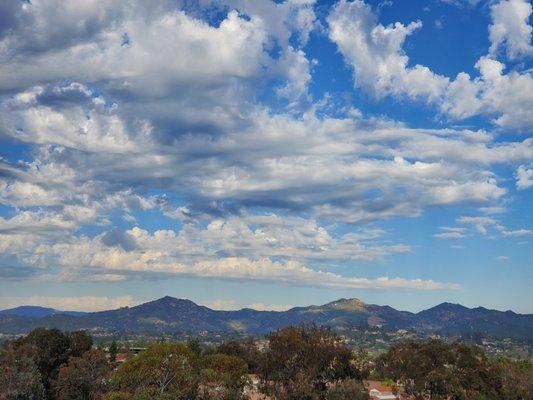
(83,378)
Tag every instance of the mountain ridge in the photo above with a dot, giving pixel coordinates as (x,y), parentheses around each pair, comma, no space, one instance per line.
(170,315)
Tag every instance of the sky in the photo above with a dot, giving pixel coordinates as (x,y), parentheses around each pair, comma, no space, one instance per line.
(266,154)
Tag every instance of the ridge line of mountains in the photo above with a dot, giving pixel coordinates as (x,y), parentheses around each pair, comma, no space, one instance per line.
(169,315)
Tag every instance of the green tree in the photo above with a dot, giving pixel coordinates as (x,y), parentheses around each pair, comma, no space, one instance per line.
(83,378)
(245,349)
(441,370)
(80,342)
(113,351)
(516,377)
(298,358)
(52,348)
(163,369)
(347,389)
(194,346)
(222,377)
(19,374)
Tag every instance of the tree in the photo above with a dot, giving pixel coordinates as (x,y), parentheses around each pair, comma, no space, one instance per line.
(245,349)
(80,342)
(441,370)
(222,377)
(163,369)
(113,351)
(298,358)
(348,389)
(19,375)
(52,348)
(516,378)
(83,378)
(194,346)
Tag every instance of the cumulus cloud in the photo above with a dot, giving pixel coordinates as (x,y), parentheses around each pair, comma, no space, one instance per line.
(380,65)
(510,28)
(36,222)
(135,108)
(233,151)
(376,53)
(524,177)
(218,252)
(271,159)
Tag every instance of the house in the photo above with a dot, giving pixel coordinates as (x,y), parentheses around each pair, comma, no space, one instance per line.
(378,391)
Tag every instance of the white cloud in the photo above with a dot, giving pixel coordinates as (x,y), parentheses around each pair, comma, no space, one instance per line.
(155,117)
(493,210)
(208,254)
(508,96)
(224,304)
(381,66)
(524,177)
(166,49)
(375,52)
(36,222)
(450,233)
(97,151)
(510,28)
(461,3)
(171,39)
(517,232)
(297,69)
(270,307)
(480,223)
(272,158)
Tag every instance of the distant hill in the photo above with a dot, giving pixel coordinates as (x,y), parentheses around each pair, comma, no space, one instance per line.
(455,319)
(37,312)
(171,315)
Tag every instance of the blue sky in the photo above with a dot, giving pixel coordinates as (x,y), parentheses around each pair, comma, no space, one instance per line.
(266,154)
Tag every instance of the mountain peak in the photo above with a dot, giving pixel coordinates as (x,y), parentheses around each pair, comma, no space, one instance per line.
(167,299)
(347,304)
(444,310)
(169,302)
(450,306)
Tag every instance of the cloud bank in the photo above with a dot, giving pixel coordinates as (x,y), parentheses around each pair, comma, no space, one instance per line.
(203,115)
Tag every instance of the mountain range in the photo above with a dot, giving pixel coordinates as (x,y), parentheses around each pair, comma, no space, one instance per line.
(169,315)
